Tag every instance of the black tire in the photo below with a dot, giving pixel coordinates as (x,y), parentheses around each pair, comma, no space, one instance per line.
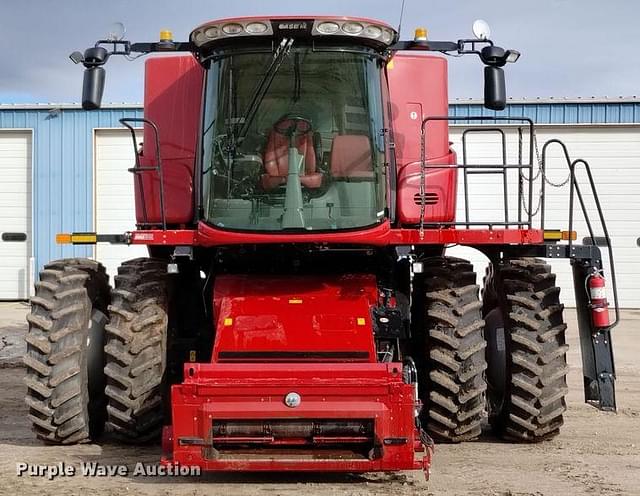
(453,398)
(529,403)
(136,350)
(64,359)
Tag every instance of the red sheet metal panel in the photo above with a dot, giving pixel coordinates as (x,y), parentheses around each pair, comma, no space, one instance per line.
(418,90)
(318,318)
(172,100)
(381,235)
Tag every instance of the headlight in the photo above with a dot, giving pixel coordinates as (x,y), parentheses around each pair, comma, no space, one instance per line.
(232,28)
(256,28)
(379,33)
(212,32)
(352,27)
(328,28)
(372,31)
(387,36)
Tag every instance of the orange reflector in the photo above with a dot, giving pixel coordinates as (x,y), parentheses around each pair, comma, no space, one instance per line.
(63,239)
(295,301)
(228,322)
(557,235)
(361,321)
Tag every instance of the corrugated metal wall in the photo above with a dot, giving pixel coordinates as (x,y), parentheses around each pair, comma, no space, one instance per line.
(603,112)
(63,154)
(62,171)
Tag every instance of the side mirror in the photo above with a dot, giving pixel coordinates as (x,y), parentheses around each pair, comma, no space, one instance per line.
(93,83)
(495,93)
(92,88)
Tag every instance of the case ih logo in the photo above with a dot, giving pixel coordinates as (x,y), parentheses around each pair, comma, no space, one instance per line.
(292,25)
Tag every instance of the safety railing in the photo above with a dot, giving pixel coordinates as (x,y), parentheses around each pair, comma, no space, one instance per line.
(525,174)
(534,170)
(139,169)
(575,191)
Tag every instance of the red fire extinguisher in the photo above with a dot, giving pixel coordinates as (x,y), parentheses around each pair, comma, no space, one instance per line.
(598,299)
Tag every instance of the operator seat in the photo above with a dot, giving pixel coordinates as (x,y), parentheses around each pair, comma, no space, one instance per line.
(351,157)
(276,161)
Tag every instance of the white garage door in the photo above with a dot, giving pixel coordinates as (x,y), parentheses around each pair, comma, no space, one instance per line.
(15,214)
(614,155)
(114,199)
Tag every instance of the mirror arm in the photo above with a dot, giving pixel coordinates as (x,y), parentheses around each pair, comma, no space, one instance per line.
(461,47)
(126,48)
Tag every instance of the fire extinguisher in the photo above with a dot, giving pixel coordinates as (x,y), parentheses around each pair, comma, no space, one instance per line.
(598,300)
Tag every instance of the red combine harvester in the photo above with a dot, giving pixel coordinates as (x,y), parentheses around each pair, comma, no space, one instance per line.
(297,194)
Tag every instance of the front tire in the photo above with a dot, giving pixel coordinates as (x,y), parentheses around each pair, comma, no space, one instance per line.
(453,399)
(136,350)
(527,399)
(64,360)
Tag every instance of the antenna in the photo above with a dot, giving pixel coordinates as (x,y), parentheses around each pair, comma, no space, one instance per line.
(401,15)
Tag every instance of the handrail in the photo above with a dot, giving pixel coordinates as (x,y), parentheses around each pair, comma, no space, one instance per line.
(138,170)
(503,142)
(574,182)
(497,167)
(575,187)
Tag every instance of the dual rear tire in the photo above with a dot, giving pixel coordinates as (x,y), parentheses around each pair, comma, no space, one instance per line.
(526,350)
(64,359)
(83,372)
(505,355)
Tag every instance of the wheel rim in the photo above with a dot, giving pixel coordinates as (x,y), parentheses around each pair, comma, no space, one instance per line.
(496,360)
(95,353)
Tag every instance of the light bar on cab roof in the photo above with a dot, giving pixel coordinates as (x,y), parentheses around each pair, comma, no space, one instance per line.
(233,28)
(362,29)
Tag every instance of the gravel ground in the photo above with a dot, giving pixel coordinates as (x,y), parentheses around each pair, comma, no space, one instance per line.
(596,453)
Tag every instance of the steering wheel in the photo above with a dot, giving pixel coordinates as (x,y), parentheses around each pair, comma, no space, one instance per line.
(292,126)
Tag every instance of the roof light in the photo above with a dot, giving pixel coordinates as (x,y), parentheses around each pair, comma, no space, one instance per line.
(420,34)
(256,28)
(216,30)
(212,32)
(372,31)
(352,27)
(328,28)
(232,28)
(166,35)
(387,36)
(340,27)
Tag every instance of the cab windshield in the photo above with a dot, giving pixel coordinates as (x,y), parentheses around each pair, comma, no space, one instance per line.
(294,139)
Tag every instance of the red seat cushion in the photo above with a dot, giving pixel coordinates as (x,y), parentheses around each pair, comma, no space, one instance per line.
(276,161)
(351,157)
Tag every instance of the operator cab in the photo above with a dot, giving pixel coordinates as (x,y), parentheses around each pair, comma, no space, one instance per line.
(294,133)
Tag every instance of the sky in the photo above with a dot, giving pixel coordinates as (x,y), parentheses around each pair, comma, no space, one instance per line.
(570,48)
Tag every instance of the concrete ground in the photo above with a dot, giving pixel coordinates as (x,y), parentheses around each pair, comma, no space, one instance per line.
(596,452)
